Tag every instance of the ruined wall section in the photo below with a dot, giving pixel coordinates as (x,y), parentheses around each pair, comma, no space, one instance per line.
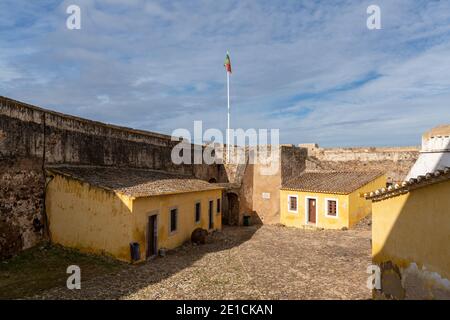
(396,162)
(32,137)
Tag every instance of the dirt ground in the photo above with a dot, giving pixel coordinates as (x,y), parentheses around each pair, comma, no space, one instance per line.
(267,262)
(44,267)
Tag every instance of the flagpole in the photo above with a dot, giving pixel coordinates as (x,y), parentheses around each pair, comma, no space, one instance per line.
(228,118)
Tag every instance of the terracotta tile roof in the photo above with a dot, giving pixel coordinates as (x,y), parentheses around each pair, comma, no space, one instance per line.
(406,186)
(340,182)
(134,182)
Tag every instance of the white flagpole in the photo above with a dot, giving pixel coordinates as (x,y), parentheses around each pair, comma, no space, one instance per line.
(228,124)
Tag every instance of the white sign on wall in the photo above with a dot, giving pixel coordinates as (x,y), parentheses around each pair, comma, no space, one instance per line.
(266,195)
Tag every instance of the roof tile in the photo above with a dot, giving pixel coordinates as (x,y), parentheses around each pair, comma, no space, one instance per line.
(341,182)
(134,182)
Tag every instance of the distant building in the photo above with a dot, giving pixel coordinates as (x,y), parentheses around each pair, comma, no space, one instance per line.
(435,152)
(411,236)
(327,199)
(103,210)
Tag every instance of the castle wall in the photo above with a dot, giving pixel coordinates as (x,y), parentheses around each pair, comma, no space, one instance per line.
(395,161)
(31,137)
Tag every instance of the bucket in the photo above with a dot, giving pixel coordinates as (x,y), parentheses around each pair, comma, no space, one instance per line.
(135,251)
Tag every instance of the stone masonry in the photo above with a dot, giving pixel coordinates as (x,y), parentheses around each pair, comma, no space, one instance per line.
(32,137)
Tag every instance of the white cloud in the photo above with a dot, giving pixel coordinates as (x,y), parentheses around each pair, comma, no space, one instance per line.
(158,65)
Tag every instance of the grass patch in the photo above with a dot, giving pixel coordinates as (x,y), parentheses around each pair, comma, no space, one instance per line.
(44,267)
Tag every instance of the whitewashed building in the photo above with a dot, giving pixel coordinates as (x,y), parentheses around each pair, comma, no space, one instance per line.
(435,152)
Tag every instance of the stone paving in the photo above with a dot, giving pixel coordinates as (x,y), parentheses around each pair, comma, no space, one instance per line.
(265,262)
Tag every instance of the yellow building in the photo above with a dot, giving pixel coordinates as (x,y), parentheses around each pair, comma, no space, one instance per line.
(103,210)
(327,199)
(411,237)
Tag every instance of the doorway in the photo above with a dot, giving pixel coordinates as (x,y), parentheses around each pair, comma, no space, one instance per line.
(233,209)
(152,236)
(311,205)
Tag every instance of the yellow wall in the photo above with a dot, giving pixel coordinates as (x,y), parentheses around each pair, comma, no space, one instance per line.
(185,202)
(414,227)
(351,208)
(89,219)
(291,219)
(98,221)
(359,206)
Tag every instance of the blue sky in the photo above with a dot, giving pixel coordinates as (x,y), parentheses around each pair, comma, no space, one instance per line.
(309,68)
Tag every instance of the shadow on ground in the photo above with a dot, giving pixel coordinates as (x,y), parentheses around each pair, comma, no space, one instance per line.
(134,278)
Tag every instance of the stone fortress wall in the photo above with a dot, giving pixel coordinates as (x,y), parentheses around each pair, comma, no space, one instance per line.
(32,138)
(395,161)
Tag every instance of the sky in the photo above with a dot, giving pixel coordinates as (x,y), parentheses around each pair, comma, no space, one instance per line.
(311,69)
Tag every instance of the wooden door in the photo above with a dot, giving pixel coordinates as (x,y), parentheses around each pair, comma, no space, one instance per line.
(152,236)
(312,211)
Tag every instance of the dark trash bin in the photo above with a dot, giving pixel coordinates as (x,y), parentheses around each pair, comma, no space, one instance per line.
(246,221)
(135,251)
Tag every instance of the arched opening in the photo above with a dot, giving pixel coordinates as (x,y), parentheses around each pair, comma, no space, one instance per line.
(233,209)
(212,180)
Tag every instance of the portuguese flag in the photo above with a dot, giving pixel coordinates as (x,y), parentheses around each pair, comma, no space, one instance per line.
(227,63)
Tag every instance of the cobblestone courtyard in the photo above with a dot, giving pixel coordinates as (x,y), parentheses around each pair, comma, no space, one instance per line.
(268,262)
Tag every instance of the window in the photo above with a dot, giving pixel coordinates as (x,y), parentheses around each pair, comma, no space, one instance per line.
(292,203)
(210,215)
(173,220)
(197,212)
(218,206)
(332,208)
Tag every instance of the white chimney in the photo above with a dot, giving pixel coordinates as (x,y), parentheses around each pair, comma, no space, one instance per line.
(435,152)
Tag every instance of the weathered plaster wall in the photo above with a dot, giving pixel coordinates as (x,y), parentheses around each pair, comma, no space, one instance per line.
(94,220)
(260,190)
(88,218)
(32,137)
(185,203)
(361,207)
(410,236)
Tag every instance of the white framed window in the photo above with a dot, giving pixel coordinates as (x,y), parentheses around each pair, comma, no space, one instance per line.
(293,203)
(331,208)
